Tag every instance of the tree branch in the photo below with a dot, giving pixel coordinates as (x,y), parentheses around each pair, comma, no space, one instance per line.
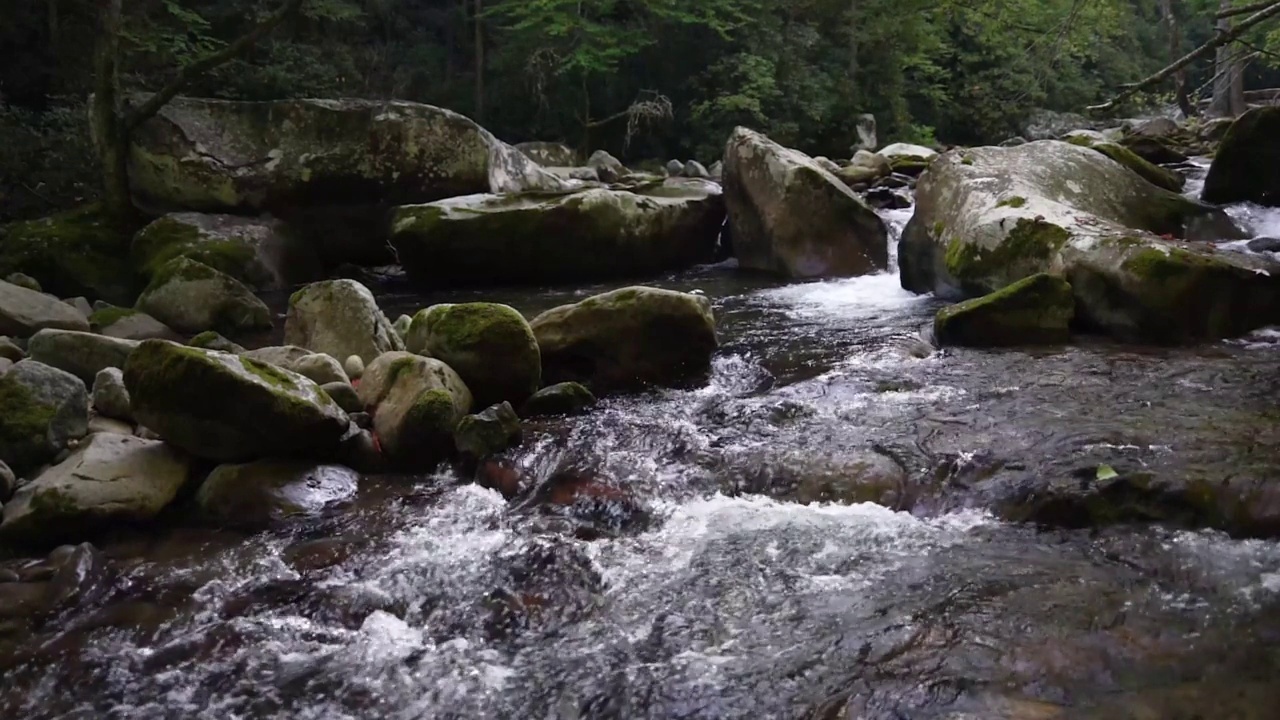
(1271,10)
(1244,9)
(203,65)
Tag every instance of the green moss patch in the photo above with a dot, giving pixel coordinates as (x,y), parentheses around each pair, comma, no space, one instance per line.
(24,426)
(1016,201)
(107,317)
(71,254)
(1025,251)
(1035,310)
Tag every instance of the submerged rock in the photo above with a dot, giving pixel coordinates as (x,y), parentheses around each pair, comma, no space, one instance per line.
(790,217)
(1035,310)
(72,253)
(111,479)
(339,318)
(1247,165)
(227,408)
(489,432)
(566,398)
(628,339)
(259,493)
(23,312)
(988,217)
(417,403)
(261,253)
(593,234)
(490,346)
(80,353)
(192,297)
(44,409)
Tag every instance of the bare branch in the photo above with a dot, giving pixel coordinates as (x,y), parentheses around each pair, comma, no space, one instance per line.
(1244,9)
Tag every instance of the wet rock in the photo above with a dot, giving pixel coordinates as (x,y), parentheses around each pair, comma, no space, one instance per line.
(607,167)
(628,339)
(80,353)
(593,234)
(317,367)
(80,576)
(227,408)
(1032,311)
(130,324)
(110,397)
(339,318)
(490,346)
(1158,176)
(544,581)
(312,555)
(790,217)
(8,482)
(78,252)
(344,394)
(888,199)
(259,493)
(192,297)
(210,340)
(1246,167)
(24,312)
(361,451)
(417,404)
(549,154)
(21,600)
(9,350)
(593,500)
(44,410)
(354,367)
(988,217)
(1265,244)
(261,253)
(111,479)
(491,431)
(567,398)
(499,475)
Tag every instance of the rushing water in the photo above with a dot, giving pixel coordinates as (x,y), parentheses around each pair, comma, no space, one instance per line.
(710,591)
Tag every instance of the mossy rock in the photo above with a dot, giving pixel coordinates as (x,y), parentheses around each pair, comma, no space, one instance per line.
(76,253)
(262,253)
(24,312)
(417,403)
(1158,176)
(567,398)
(489,345)
(1246,167)
(489,432)
(43,409)
(339,318)
(1033,311)
(210,340)
(192,297)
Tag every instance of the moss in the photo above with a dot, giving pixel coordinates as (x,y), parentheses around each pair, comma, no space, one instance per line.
(1026,250)
(966,160)
(938,228)
(107,317)
(1016,201)
(180,269)
(1033,310)
(78,252)
(1158,176)
(433,411)
(50,503)
(168,239)
(24,426)
(206,339)
(1081,140)
(268,373)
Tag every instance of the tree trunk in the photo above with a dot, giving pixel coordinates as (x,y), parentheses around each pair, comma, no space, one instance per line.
(108,129)
(1174,35)
(853,50)
(1228,79)
(479,61)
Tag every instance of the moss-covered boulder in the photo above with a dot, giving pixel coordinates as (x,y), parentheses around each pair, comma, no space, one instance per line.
(317,367)
(339,318)
(1033,311)
(260,493)
(129,324)
(110,480)
(417,403)
(1247,165)
(228,408)
(261,253)
(1160,177)
(593,234)
(71,254)
(988,217)
(79,353)
(489,432)
(41,410)
(490,346)
(24,312)
(790,217)
(1159,151)
(628,339)
(566,398)
(192,297)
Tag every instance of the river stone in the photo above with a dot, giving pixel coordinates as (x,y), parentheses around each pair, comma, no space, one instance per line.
(227,408)
(857,176)
(674,168)
(345,395)
(110,397)
(259,252)
(696,170)
(210,340)
(874,161)
(549,154)
(790,217)
(192,297)
(1035,310)
(567,398)
(1262,244)
(490,346)
(1160,177)
(130,324)
(23,312)
(489,432)
(594,234)
(111,479)
(78,252)
(9,350)
(258,493)
(354,366)
(1247,165)
(988,217)
(1156,127)
(317,367)
(401,326)
(628,339)
(608,168)
(339,318)
(80,353)
(44,409)
(417,404)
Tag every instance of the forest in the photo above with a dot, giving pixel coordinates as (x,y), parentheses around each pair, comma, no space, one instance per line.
(641,78)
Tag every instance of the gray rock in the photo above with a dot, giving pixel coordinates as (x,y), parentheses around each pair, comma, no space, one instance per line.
(674,168)
(81,304)
(354,366)
(101,424)
(696,170)
(8,482)
(489,345)
(873,161)
(192,297)
(110,397)
(567,398)
(24,312)
(907,150)
(80,353)
(23,280)
(5,365)
(489,432)
(1084,137)
(865,127)
(716,171)
(345,395)
(1156,127)
(608,168)
(1264,244)
(401,326)
(317,367)
(210,340)
(44,409)
(1246,167)
(10,350)
(129,324)
(262,253)
(1035,310)
(339,318)
(827,164)
(549,154)
(259,493)
(111,479)
(417,404)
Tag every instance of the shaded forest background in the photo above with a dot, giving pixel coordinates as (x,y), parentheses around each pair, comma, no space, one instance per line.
(957,71)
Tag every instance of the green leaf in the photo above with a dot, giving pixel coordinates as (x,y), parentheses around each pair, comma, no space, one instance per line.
(1106,472)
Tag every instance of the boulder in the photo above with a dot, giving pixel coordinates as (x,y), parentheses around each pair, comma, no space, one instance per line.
(417,404)
(1156,127)
(549,154)
(401,326)
(73,253)
(988,217)
(790,217)
(489,432)
(339,318)
(24,312)
(716,171)
(192,297)
(857,176)
(24,280)
(865,126)
(345,395)
(1050,124)
(104,424)
(608,168)
(210,340)
(898,151)
(1264,244)
(674,168)
(1215,129)
(79,353)
(111,479)
(354,365)
(1247,165)
(567,398)
(110,396)
(593,234)
(1153,150)
(261,253)
(8,483)
(1032,311)
(259,493)
(130,324)
(696,170)
(490,346)
(317,367)
(227,408)
(9,350)
(44,409)
(874,161)
(628,339)
(1160,177)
